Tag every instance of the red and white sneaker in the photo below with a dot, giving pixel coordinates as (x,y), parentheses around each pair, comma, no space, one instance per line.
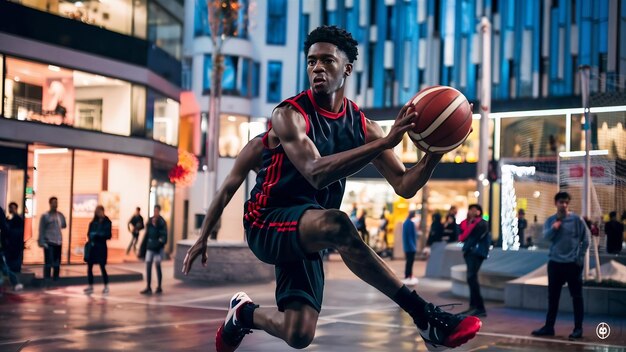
(446,330)
(231,333)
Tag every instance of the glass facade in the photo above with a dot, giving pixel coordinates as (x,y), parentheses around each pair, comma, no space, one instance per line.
(55,95)
(165,30)
(276,30)
(532,137)
(236,131)
(239,28)
(81,180)
(274,79)
(143,19)
(162,118)
(240,76)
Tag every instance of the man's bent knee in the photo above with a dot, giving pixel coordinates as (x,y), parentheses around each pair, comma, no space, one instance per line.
(337,225)
(300,338)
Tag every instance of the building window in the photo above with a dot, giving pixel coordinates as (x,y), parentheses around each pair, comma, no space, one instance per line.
(233,135)
(274,78)
(256,79)
(162,118)
(245,78)
(276,33)
(208,74)
(229,77)
(164,30)
(201,19)
(59,96)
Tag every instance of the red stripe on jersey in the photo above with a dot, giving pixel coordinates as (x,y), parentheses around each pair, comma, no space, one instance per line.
(326,113)
(301,110)
(364,126)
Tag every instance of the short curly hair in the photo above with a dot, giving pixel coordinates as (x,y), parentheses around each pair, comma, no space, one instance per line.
(333,35)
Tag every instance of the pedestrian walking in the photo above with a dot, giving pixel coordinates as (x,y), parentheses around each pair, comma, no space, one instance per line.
(97,236)
(156,238)
(569,237)
(51,238)
(4,268)
(135,224)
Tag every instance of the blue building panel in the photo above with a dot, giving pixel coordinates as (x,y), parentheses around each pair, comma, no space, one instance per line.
(448,24)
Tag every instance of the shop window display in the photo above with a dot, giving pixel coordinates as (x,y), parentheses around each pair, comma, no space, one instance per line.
(233,135)
(607,133)
(531,137)
(81,180)
(55,95)
(162,118)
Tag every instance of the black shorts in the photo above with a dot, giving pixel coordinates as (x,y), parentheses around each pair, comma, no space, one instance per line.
(273,237)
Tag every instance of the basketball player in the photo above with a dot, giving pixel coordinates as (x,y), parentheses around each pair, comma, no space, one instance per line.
(315,140)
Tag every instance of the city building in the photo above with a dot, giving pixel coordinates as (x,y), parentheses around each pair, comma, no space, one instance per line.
(404,46)
(91,109)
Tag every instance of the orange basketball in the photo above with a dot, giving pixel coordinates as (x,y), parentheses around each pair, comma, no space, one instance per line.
(444,119)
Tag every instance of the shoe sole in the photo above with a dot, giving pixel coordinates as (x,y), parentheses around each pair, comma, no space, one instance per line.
(465,331)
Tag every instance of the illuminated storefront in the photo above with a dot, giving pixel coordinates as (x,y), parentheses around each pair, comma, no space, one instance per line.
(132,130)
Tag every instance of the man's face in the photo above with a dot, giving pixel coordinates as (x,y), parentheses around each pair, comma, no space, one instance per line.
(327,67)
(473,212)
(12,209)
(157,212)
(54,204)
(562,205)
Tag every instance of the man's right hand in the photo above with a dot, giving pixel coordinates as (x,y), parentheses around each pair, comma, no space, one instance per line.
(198,248)
(556,225)
(404,122)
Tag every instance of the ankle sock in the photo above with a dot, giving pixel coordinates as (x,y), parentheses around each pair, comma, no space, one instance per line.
(411,303)
(247,315)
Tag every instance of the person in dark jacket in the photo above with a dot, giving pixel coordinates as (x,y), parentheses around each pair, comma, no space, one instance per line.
(4,268)
(156,238)
(97,236)
(476,242)
(614,234)
(436,230)
(15,246)
(135,224)
(450,227)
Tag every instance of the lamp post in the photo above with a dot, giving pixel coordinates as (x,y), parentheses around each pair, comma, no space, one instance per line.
(223,17)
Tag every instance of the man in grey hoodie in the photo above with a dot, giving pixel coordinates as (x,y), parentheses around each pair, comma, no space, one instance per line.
(51,238)
(570,239)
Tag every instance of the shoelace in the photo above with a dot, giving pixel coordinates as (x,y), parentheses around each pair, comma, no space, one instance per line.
(449,305)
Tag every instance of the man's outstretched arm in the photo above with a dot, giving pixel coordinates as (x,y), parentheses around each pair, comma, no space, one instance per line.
(404,182)
(249,159)
(289,129)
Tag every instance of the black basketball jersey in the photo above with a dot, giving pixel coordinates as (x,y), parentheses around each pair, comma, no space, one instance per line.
(280,184)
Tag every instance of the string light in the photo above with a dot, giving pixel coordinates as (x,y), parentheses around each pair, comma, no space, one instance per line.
(510,237)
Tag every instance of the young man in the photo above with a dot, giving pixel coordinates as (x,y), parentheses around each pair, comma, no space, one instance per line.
(51,238)
(316,139)
(156,238)
(570,239)
(135,224)
(476,242)
(614,234)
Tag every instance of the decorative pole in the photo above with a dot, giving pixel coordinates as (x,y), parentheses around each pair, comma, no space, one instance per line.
(223,16)
(485,107)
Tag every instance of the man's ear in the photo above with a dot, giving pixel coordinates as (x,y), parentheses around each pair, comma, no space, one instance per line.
(348,69)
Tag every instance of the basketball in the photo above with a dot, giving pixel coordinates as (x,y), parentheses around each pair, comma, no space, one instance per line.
(444,119)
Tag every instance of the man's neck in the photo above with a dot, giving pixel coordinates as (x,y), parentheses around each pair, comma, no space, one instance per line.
(330,102)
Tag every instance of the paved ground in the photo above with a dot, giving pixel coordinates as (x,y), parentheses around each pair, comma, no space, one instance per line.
(355,317)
